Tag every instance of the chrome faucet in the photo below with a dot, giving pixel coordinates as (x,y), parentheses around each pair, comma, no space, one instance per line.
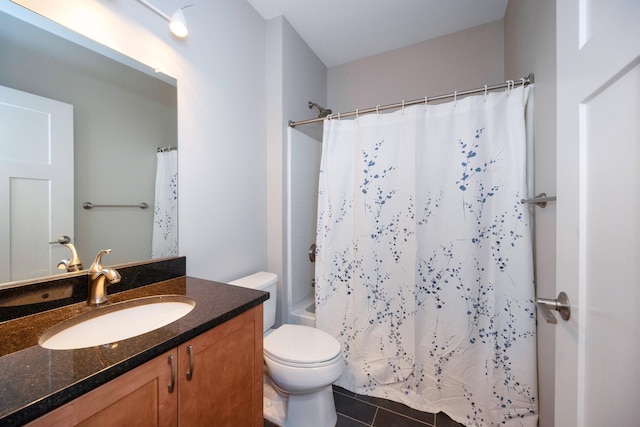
(98,275)
(72,264)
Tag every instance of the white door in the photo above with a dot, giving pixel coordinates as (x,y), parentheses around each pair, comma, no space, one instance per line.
(36,183)
(598,212)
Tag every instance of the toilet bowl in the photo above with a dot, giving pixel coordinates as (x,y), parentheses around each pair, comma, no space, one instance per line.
(301,363)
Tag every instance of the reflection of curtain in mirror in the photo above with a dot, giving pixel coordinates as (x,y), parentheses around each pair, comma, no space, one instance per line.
(165,216)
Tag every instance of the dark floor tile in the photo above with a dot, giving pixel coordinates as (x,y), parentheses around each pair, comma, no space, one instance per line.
(352,408)
(344,421)
(343,391)
(386,418)
(426,417)
(443,420)
(365,411)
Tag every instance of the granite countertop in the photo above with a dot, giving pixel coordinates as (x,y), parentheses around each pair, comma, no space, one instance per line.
(35,380)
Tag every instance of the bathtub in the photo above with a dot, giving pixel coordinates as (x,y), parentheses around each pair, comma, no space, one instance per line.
(304,312)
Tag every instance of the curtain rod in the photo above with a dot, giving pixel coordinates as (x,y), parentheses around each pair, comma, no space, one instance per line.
(508,84)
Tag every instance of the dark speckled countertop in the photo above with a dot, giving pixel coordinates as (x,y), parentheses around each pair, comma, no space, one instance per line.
(34,380)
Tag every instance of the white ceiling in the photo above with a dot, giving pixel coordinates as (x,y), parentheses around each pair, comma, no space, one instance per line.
(340,31)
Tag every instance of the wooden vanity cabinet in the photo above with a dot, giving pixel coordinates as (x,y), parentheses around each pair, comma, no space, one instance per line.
(225,388)
(138,397)
(218,382)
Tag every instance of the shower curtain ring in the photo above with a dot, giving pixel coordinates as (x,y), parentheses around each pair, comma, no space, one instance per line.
(378,109)
(485,93)
(357,116)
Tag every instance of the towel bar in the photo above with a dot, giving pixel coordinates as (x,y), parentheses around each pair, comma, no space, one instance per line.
(89,205)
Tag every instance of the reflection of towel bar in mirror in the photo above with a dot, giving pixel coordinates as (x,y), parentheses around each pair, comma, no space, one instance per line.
(89,205)
(540,200)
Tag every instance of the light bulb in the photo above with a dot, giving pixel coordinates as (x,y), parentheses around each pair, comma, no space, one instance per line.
(178,24)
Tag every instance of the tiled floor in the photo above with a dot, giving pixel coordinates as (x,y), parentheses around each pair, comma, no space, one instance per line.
(356,410)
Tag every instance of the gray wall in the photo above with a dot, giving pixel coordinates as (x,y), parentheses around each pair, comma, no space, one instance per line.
(530,47)
(458,61)
(295,76)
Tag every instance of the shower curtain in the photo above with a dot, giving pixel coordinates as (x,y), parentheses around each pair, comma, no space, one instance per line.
(165,214)
(424,266)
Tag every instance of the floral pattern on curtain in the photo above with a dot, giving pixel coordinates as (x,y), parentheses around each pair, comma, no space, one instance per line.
(424,267)
(165,214)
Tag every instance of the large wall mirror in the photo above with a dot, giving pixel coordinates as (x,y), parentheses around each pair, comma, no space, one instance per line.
(121,114)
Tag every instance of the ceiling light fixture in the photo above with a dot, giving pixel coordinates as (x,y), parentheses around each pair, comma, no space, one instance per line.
(177,21)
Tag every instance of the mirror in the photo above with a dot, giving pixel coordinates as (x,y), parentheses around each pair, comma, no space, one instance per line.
(122,113)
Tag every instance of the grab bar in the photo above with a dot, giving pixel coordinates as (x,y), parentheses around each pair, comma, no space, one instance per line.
(540,200)
(89,205)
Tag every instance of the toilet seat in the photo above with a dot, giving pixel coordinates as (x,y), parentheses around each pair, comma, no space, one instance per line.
(301,346)
(304,365)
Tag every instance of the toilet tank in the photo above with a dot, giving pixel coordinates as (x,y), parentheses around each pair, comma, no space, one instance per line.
(263,281)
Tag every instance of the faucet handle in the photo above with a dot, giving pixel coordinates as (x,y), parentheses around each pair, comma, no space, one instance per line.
(63,240)
(102,252)
(99,278)
(72,264)
(96,266)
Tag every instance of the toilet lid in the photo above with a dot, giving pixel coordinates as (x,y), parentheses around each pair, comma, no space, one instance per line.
(301,344)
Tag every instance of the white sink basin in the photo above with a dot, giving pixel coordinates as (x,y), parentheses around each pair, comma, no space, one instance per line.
(116,322)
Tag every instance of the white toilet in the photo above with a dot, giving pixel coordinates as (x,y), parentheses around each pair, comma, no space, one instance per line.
(302,362)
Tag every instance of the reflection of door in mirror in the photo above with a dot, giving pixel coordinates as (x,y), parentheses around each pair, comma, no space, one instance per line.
(36,180)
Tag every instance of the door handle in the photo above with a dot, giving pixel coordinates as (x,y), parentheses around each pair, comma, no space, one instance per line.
(561,305)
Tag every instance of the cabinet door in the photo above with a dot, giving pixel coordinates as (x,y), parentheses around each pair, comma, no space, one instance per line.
(225,385)
(138,398)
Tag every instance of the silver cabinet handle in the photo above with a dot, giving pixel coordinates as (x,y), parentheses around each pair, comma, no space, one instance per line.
(561,305)
(191,362)
(173,374)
